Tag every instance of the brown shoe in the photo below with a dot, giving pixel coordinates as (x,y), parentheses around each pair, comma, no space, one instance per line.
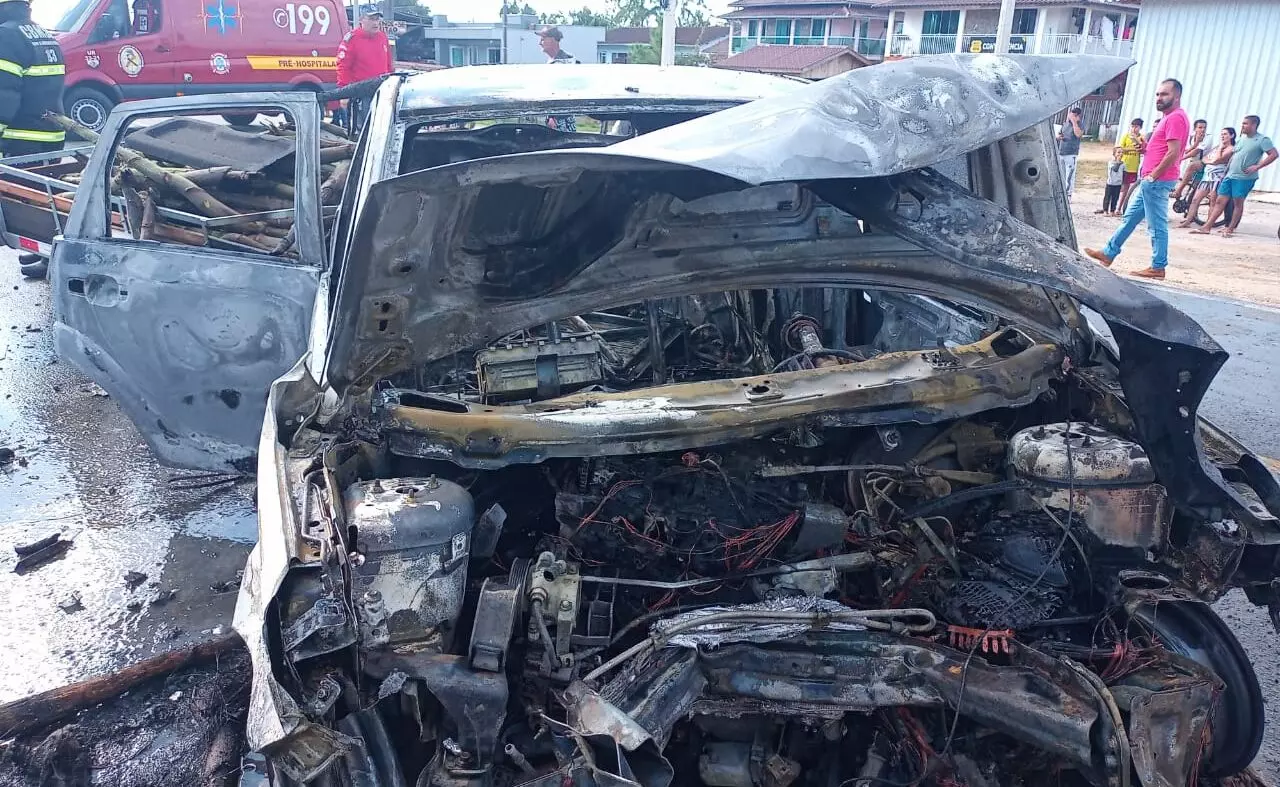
(1103,259)
(1149,273)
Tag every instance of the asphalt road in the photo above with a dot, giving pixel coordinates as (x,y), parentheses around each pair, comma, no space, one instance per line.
(1240,402)
(81,469)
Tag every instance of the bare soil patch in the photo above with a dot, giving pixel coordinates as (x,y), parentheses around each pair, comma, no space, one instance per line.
(1246,266)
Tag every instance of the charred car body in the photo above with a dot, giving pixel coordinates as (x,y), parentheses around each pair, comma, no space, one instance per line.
(772,447)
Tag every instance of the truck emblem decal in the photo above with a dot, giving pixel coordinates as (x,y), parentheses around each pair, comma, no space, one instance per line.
(221,16)
(220,64)
(91,58)
(130,60)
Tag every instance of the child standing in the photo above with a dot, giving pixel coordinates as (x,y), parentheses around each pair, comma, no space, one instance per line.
(1131,144)
(1115,180)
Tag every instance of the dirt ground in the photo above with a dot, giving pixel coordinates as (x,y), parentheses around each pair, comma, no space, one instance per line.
(1244,267)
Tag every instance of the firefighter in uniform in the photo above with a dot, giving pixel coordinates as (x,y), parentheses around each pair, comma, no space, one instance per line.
(31,75)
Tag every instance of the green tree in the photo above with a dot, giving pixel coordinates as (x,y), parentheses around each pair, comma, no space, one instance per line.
(552,19)
(640,13)
(585,16)
(694,13)
(636,13)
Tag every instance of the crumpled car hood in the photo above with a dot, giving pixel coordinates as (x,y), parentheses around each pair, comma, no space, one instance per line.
(455,257)
(445,248)
(882,119)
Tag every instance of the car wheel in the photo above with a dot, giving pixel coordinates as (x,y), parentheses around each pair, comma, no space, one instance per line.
(1195,631)
(88,107)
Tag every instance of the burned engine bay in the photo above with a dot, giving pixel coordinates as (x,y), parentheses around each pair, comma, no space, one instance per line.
(1007,597)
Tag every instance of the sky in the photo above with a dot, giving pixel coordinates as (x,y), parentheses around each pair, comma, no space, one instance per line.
(488,10)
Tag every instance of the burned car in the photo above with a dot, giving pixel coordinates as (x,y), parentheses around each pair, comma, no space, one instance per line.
(790,444)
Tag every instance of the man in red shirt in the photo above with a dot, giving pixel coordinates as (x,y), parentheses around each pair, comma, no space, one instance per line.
(365,53)
(1158,174)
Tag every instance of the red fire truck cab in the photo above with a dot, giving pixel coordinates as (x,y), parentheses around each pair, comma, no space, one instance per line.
(120,50)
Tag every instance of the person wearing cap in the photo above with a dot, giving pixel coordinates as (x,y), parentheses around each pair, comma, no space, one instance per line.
(31,76)
(365,53)
(549,39)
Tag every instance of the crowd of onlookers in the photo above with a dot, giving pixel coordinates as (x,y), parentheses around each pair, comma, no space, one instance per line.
(1214,170)
(1178,160)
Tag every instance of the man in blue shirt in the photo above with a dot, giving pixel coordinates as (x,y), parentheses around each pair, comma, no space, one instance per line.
(1253,152)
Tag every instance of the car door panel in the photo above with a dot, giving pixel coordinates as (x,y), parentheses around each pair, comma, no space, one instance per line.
(188,351)
(188,339)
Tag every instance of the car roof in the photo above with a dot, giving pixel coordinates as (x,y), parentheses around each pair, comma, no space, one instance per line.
(625,87)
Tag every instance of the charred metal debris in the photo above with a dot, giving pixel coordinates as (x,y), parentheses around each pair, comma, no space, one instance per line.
(564,558)
(693,460)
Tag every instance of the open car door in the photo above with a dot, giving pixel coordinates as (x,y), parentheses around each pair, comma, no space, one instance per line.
(185,318)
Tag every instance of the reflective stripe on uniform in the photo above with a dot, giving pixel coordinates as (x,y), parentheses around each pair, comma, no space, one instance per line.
(28,135)
(56,70)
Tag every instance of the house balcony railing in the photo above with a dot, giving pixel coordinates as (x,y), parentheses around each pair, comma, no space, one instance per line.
(1073,44)
(908,46)
(871,48)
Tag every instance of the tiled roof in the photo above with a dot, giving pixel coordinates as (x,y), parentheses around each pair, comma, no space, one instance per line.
(1128,5)
(628,35)
(783,8)
(697,36)
(751,3)
(787,59)
(719,51)
(808,6)
(685,36)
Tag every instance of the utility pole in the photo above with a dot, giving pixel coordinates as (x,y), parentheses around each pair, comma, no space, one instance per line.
(504,32)
(1004,28)
(670,13)
(389,22)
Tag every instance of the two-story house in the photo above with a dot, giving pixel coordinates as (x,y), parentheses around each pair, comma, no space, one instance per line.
(1045,27)
(859,26)
(885,29)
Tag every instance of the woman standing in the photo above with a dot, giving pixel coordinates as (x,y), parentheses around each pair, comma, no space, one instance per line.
(1215,169)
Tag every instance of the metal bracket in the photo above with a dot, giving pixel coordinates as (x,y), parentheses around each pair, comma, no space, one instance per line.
(495,619)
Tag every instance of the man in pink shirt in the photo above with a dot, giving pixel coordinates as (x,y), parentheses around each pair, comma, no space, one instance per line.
(1158,174)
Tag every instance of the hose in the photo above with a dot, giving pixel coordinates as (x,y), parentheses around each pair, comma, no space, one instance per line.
(964,496)
(550,659)
(1113,710)
(361,89)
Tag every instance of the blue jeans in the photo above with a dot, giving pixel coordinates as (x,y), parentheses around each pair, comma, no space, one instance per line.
(1150,203)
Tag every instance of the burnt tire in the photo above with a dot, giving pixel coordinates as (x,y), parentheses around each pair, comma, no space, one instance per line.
(1195,631)
(87,106)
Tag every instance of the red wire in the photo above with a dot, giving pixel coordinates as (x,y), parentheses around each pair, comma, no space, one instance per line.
(901,595)
(613,490)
